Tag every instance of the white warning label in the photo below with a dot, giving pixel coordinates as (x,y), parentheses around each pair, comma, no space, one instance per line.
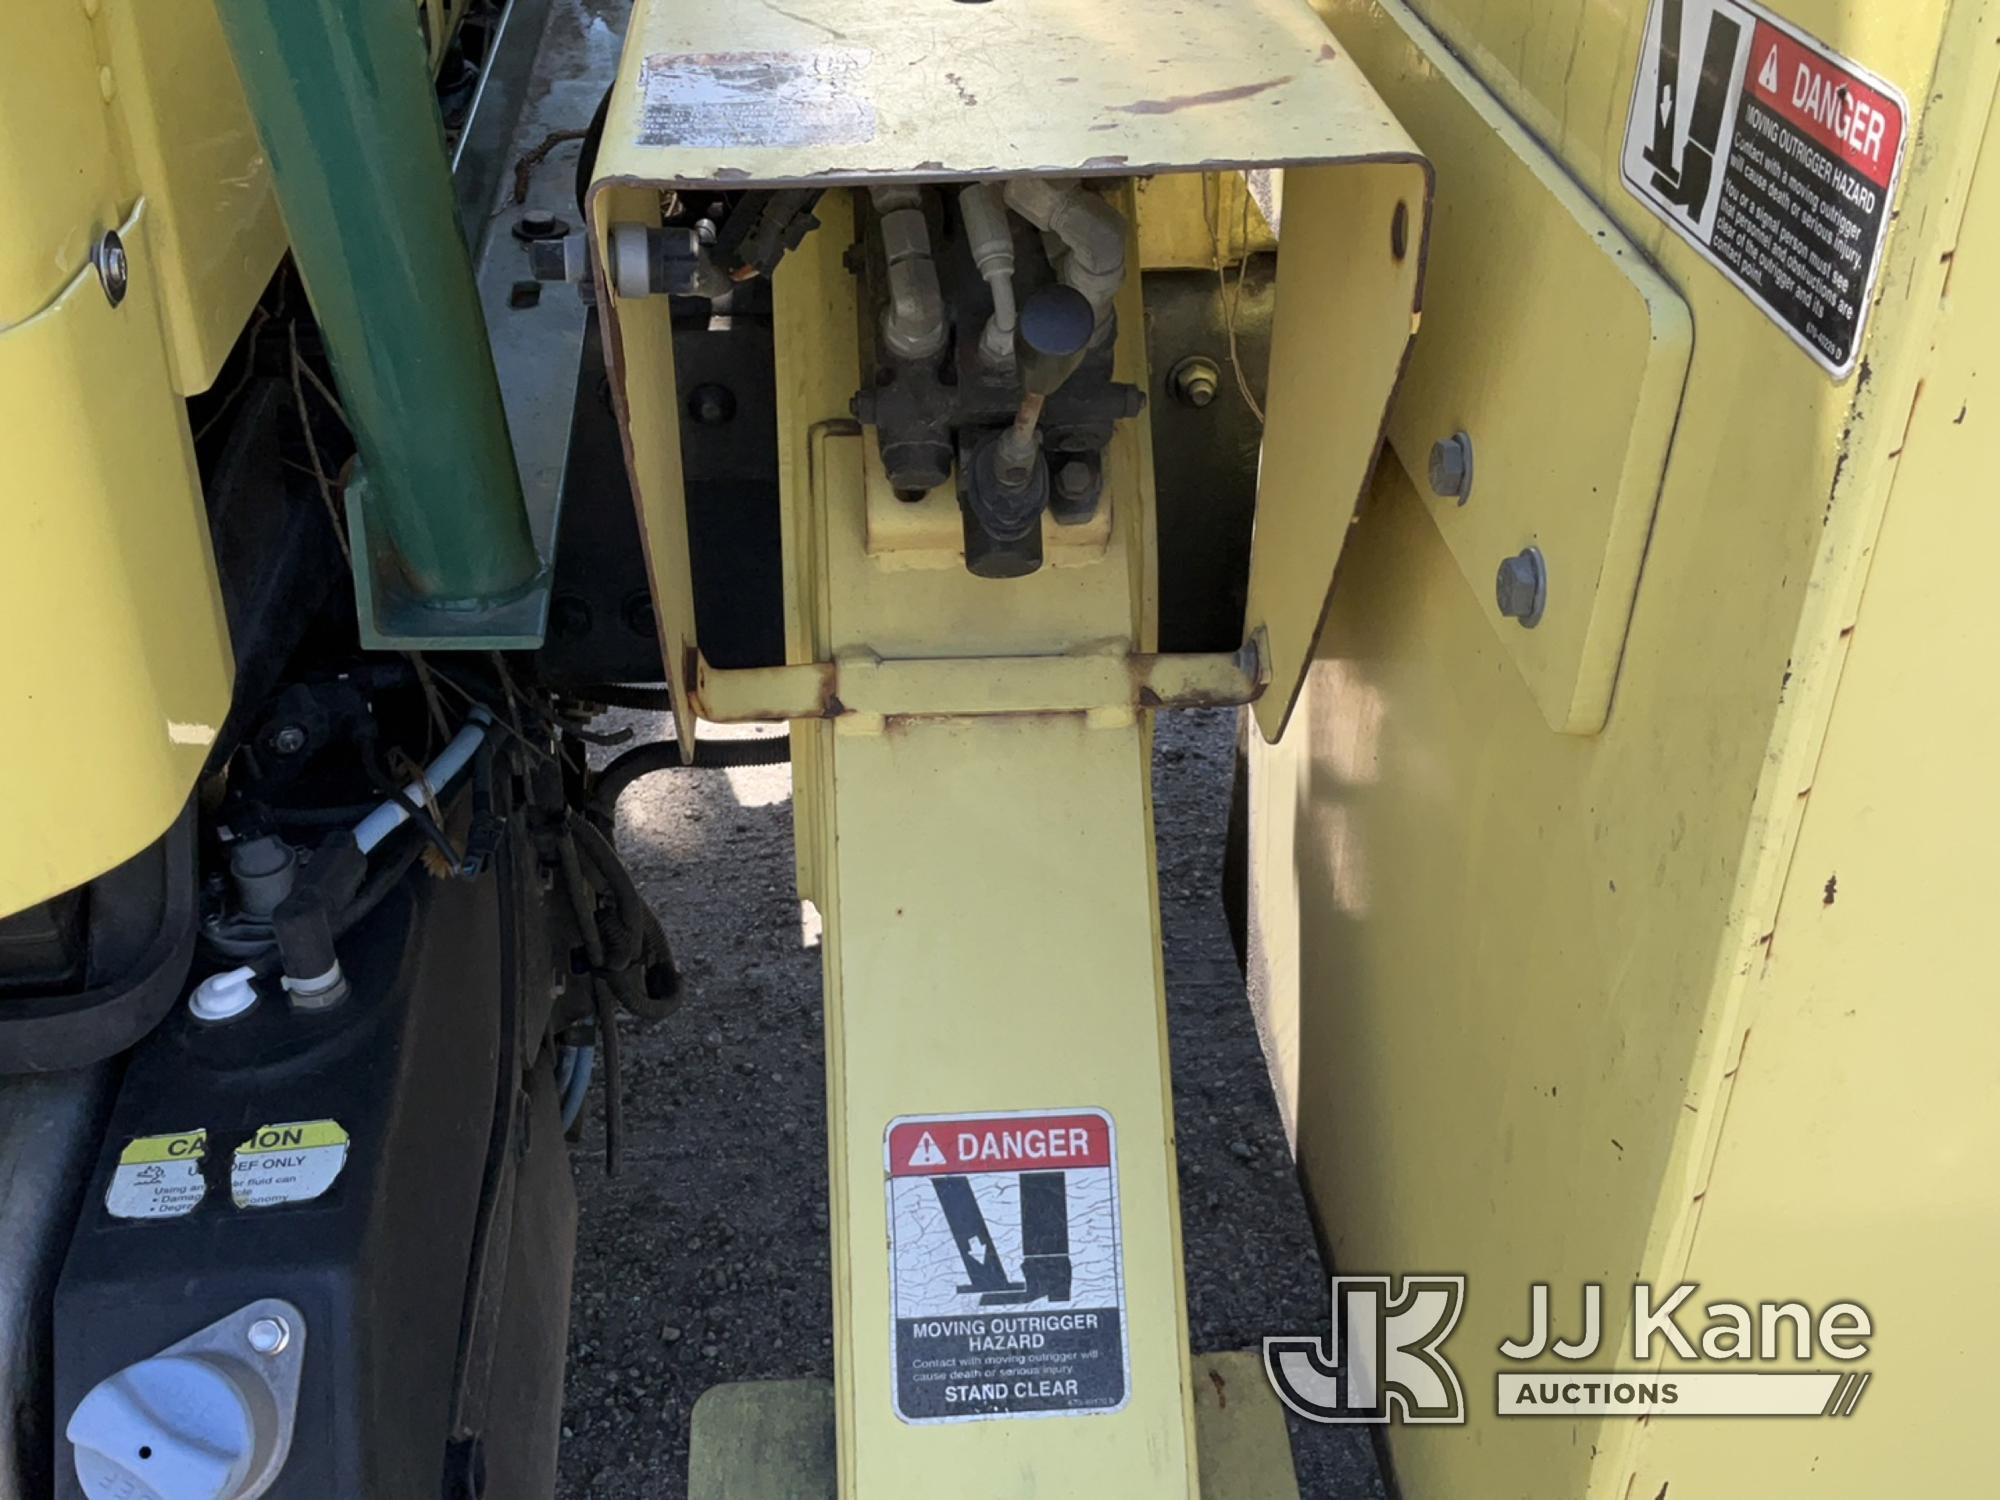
(722,99)
(1774,157)
(291,1163)
(1006,1266)
(158,1176)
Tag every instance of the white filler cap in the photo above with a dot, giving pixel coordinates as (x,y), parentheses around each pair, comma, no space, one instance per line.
(174,1427)
(209,1418)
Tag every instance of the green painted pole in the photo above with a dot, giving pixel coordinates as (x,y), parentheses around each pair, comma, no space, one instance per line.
(342,94)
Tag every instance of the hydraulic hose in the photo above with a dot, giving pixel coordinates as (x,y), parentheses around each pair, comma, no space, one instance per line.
(395,812)
(913,324)
(991,241)
(1091,231)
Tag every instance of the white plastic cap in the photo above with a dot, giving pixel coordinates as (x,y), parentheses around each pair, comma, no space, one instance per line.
(174,1427)
(224,996)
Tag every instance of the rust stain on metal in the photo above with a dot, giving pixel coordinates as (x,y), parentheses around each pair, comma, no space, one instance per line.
(1174,103)
(1212,694)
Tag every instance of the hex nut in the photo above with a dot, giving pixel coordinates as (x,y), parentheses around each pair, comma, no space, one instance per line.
(1451,468)
(1521,587)
(268,1336)
(1196,381)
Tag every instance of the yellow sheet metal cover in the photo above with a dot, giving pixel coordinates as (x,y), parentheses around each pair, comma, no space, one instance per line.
(832,91)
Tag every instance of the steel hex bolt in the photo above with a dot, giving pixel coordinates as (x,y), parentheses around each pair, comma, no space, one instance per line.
(1521,587)
(1451,468)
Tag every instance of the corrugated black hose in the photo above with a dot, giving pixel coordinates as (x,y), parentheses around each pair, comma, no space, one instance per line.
(609,784)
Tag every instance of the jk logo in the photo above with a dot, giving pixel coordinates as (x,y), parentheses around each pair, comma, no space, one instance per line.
(1383,1360)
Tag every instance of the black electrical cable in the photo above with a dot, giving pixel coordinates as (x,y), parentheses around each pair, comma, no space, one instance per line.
(634,954)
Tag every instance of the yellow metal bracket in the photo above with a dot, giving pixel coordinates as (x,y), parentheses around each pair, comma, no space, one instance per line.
(1170,89)
(1557,351)
(1080,682)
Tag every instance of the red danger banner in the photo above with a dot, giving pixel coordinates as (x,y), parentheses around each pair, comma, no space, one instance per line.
(1862,126)
(1001,1143)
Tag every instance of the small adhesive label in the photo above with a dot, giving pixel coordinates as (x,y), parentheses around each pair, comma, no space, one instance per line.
(158,1176)
(291,1163)
(756,99)
(1007,1266)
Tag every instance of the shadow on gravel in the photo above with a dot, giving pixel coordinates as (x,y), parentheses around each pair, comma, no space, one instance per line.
(706,1261)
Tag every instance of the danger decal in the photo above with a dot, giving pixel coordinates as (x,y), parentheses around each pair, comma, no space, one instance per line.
(1775,158)
(1008,1289)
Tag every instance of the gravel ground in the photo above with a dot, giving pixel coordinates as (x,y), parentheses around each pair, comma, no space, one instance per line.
(706,1260)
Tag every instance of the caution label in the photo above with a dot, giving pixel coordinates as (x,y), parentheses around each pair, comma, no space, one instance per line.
(1775,158)
(291,1163)
(1006,1266)
(158,1176)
